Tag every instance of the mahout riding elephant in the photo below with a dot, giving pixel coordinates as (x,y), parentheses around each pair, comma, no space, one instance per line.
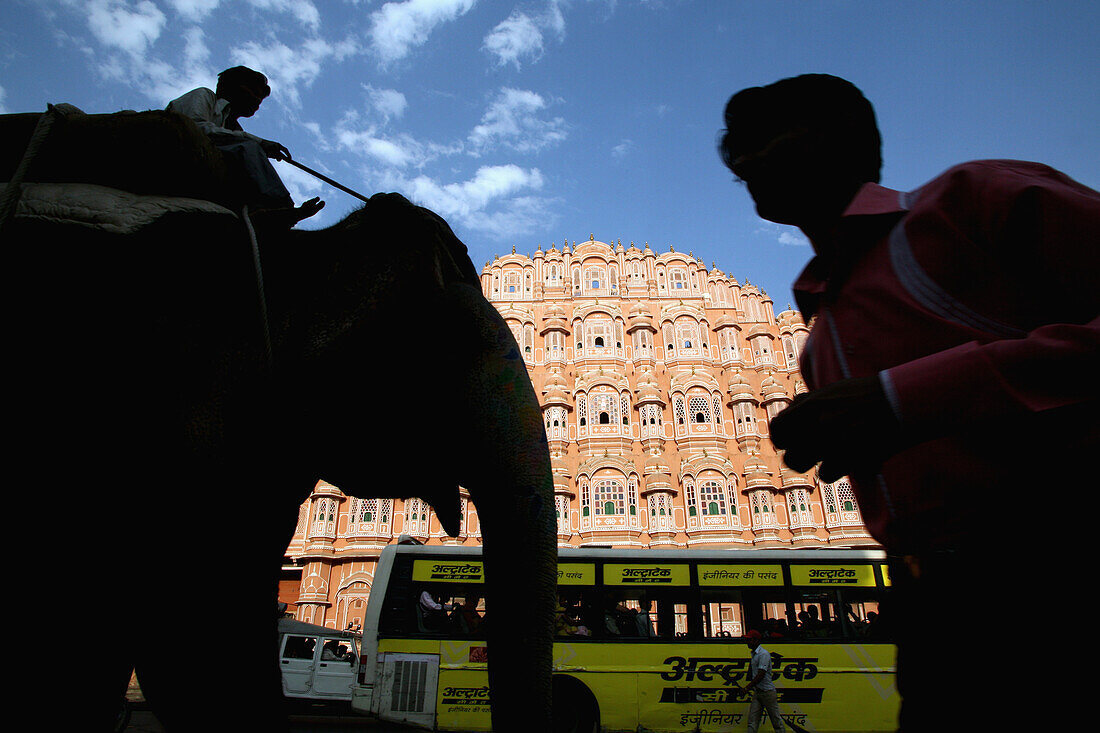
(173,393)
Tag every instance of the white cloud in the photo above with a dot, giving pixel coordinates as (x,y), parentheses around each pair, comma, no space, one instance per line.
(357,134)
(194,10)
(553,19)
(290,69)
(786,236)
(3,108)
(117,25)
(520,35)
(128,31)
(303,10)
(488,202)
(462,199)
(397,27)
(195,51)
(514,38)
(621,150)
(517,216)
(389,103)
(795,240)
(511,121)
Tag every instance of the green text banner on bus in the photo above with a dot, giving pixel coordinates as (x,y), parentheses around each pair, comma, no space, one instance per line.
(658,574)
(448,571)
(849,575)
(576,573)
(740,575)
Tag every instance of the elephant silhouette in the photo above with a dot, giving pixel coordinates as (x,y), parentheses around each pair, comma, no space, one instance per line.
(170,404)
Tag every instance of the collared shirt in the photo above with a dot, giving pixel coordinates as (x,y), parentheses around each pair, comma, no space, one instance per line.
(428,603)
(212,114)
(976,300)
(761,660)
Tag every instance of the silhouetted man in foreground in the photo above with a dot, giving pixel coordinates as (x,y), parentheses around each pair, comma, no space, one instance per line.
(953,364)
(240,92)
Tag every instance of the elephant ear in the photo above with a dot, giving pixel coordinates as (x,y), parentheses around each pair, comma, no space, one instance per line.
(448,507)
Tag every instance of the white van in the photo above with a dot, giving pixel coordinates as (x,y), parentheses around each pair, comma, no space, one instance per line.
(318,663)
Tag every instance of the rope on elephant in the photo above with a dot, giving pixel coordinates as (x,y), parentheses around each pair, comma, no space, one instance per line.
(10,198)
(259,271)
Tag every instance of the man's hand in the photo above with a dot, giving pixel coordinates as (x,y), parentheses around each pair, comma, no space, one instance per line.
(848,427)
(275,150)
(308,208)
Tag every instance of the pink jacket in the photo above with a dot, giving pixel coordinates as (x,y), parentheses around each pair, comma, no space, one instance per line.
(975,299)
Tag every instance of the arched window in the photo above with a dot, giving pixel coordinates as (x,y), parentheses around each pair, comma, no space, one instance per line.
(594,277)
(699,409)
(416,517)
(324,517)
(713,497)
(609,497)
(687,333)
(605,408)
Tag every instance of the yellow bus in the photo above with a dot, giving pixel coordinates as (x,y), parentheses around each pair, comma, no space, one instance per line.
(646,639)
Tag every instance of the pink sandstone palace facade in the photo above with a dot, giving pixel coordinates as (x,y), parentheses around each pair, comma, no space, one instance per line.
(657,379)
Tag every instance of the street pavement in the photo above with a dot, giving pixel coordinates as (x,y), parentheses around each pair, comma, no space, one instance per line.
(304,720)
(143,721)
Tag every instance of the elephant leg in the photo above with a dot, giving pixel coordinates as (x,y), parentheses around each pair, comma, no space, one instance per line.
(504,462)
(207,661)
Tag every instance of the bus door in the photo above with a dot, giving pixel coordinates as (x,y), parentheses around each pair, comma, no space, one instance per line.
(296,662)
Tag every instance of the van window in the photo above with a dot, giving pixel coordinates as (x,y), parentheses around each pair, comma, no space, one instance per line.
(299,647)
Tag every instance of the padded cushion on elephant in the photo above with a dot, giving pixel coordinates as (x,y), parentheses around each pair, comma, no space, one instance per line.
(101,207)
(140,152)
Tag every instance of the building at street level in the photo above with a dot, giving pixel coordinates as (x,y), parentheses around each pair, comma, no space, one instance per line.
(657,378)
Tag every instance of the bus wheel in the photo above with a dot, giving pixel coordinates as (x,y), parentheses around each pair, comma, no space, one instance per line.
(575,709)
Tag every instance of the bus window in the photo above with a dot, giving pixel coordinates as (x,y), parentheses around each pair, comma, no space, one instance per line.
(817,614)
(636,613)
(723,616)
(861,607)
(663,617)
(765,609)
(467,617)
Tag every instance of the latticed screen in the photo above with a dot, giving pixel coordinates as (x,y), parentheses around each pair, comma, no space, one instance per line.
(609,497)
(700,409)
(712,498)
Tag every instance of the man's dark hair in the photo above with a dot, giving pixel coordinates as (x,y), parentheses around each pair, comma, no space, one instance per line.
(242,75)
(824,104)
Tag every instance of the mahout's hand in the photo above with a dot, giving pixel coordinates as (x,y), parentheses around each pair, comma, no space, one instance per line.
(309,208)
(275,150)
(847,426)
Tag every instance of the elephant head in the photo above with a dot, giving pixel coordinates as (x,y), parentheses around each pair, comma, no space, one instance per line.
(152,374)
(386,344)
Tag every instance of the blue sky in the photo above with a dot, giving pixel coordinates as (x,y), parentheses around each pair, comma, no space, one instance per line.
(529,123)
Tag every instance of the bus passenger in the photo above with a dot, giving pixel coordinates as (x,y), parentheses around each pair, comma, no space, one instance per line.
(566,621)
(433,611)
(618,617)
(465,617)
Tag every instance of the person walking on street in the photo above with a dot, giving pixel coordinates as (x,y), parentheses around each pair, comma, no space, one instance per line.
(760,682)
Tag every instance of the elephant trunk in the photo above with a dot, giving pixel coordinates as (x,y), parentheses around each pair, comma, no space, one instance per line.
(505,464)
